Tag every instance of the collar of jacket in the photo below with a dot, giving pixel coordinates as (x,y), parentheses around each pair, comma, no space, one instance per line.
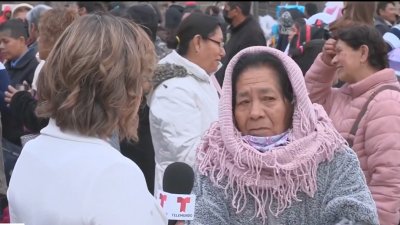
(381,20)
(24,60)
(192,69)
(54,131)
(385,76)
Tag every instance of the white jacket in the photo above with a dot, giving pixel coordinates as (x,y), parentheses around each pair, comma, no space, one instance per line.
(63,178)
(181,110)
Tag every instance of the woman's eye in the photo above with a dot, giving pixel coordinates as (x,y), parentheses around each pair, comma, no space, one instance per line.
(268,98)
(244,102)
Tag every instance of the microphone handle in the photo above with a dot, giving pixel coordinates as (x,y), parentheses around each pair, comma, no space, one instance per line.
(172,222)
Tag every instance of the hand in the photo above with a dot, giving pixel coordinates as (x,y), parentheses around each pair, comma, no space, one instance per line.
(9,94)
(11,91)
(328,51)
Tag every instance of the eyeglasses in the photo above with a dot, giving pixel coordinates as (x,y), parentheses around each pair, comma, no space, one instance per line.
(221,44)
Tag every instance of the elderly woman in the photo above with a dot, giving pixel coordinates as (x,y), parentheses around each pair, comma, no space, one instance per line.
(371,122)
(70,174)
(273,157)
(185,101)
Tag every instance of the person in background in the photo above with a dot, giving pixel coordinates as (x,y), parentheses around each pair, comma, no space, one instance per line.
(142,151)
(273,157)
(4,80)
(23,104)
(5,14)
(71,6)
(32,18)
(21,64)
(359,57)
(85,8)
(386,16)
(20,11)
(190,7)
(214,10)
(161,47)
(352,13)
(392,38)
(310,9)
(244,31)
(87,93)
(305,43)
(394,61)
(286,22)
(173,17)
(184,101)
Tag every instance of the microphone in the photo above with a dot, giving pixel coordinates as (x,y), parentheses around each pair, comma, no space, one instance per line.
(178,179)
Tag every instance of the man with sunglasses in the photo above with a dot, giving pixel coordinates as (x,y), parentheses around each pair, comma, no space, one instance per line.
(244,30)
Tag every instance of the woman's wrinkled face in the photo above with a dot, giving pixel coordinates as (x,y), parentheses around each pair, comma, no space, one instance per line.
(347,62)
(260,107)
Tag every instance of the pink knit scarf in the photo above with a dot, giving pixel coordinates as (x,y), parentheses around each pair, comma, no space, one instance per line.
(276,175)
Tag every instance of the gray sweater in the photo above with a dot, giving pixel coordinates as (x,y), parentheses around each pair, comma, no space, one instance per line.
(342,194)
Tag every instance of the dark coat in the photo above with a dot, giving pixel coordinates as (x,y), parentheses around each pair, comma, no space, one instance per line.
(22,71)
(246,34)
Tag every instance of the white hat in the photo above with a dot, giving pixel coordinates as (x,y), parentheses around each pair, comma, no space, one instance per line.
(22,5)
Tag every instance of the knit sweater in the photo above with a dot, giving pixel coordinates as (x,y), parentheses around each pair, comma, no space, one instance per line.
(341,194)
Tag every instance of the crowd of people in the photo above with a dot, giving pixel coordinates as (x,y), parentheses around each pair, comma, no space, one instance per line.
(288,120)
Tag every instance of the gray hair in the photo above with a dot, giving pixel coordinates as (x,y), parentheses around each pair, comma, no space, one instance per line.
(33,15)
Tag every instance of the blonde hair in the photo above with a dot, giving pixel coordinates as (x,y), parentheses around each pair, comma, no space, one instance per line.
(92,79)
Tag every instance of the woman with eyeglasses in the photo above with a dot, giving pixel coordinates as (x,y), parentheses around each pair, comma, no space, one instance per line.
(185,98)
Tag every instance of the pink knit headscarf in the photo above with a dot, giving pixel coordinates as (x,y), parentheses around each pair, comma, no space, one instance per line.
(275,175)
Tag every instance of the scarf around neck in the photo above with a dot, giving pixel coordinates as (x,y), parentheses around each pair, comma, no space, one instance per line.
(264,144)
(276,175)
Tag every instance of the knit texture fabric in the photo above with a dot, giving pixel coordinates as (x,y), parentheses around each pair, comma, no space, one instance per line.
(276,175)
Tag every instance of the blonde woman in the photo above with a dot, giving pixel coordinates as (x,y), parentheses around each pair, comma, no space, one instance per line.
(91,86)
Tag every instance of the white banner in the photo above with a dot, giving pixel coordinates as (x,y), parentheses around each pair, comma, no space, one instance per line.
(176,206)
(12,224)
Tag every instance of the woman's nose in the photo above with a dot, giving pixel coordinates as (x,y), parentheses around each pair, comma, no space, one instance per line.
(256,111)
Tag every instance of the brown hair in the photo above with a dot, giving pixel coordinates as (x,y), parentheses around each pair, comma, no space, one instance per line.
(51,25)
(354,13)
(362,34)
(92,79)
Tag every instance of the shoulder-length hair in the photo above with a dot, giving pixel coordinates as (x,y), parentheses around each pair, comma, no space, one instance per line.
(92,79)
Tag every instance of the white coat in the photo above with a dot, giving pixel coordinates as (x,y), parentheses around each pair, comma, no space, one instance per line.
(64,178)
(181,110)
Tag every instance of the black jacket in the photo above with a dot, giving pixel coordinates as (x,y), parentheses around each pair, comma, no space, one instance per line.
(142,152)
(246,34)
(23,107)
(25,68)
(23,71)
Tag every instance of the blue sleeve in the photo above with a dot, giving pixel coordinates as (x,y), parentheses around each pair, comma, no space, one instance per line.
(4,82)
